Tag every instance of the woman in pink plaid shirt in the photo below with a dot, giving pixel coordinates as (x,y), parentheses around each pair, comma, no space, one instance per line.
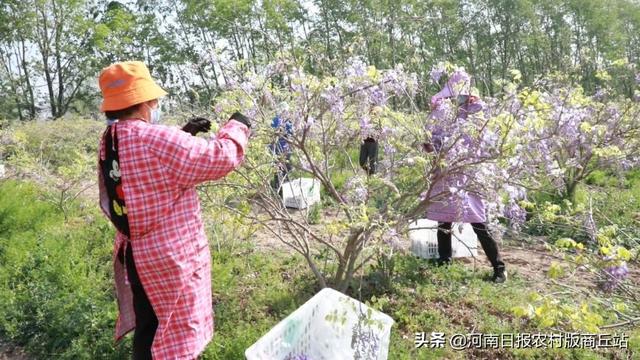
(147,178)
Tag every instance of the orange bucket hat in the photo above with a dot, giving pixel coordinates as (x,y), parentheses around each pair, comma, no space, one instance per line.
(125,84)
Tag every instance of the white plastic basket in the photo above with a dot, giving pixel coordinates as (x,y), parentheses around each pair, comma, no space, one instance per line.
(423,234)
(329,326)
(301,193)
(2,170)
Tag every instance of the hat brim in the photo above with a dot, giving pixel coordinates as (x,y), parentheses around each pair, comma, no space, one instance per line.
(147,92)
(448,92)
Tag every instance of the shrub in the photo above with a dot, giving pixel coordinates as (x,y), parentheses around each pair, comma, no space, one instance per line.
(55,278)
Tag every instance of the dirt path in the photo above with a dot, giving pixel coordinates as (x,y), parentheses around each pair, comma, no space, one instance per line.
(530,260)
(8,352)
(533,261)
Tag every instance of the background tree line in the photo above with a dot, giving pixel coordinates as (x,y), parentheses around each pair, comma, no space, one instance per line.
(51,51)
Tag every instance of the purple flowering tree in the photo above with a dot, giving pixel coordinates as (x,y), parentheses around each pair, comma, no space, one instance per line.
(330,117)
(574,134)
(497,148)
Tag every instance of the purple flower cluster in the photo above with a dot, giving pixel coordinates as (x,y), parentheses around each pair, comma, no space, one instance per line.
(377,96)
(615,274)
(333,97)
(517,215)
(398,82)
(437,72)
(356,68)
(247,86)
(356,190)
(389,149)
(366,129)
(515,192)
(275,68)
(443,110)
(567,132)
(297,357)
(386,132)
(392,239)
(364,340)
(520,138)
(460,79)
(600,94)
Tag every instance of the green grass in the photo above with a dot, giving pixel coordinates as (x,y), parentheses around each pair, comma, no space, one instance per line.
(457,300)
(252,292)
(55,288)
(251,297)
(618,203)
(57,300)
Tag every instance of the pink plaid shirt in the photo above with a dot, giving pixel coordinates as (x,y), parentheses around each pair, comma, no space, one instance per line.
(160,167)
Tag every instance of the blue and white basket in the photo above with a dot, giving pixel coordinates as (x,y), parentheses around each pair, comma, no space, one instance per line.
(423,234)
(301,193)
(330,326)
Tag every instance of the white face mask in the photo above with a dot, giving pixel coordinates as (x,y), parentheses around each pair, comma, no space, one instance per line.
(155,114)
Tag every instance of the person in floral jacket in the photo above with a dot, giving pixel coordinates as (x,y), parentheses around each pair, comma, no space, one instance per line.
(465,204)
(147,177)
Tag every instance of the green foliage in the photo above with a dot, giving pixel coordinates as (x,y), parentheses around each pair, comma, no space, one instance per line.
(585,310)
(55,278)
(549,312)
(593,43)
(59,155)
(548,218)
(315,214)
(602,179)
(57,299)
(610,199)
(619,205)
(245,309)
(419,298)
(54,145)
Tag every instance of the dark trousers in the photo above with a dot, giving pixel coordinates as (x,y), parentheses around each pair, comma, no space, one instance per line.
(146,320)
(489,245)
(282,173)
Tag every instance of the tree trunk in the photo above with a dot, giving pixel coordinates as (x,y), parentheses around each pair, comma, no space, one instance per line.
(58,22)
(27,77)
(43,45)
(346,262)
(12,83)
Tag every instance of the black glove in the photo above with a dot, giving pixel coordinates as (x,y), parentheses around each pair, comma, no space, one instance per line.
(237,116)
(197,125)
(369,155)
(428,147)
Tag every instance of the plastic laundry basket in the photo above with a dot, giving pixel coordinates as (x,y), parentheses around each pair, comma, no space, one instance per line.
(301,193)
(423,234)
(330,326)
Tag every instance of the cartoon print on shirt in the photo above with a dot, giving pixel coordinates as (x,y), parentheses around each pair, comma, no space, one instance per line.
(119,192)
(115,172)
(119,209)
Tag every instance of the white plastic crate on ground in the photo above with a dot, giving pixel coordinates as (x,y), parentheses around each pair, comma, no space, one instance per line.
(424,239)
(329,326)
(2,170)
(301,193)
